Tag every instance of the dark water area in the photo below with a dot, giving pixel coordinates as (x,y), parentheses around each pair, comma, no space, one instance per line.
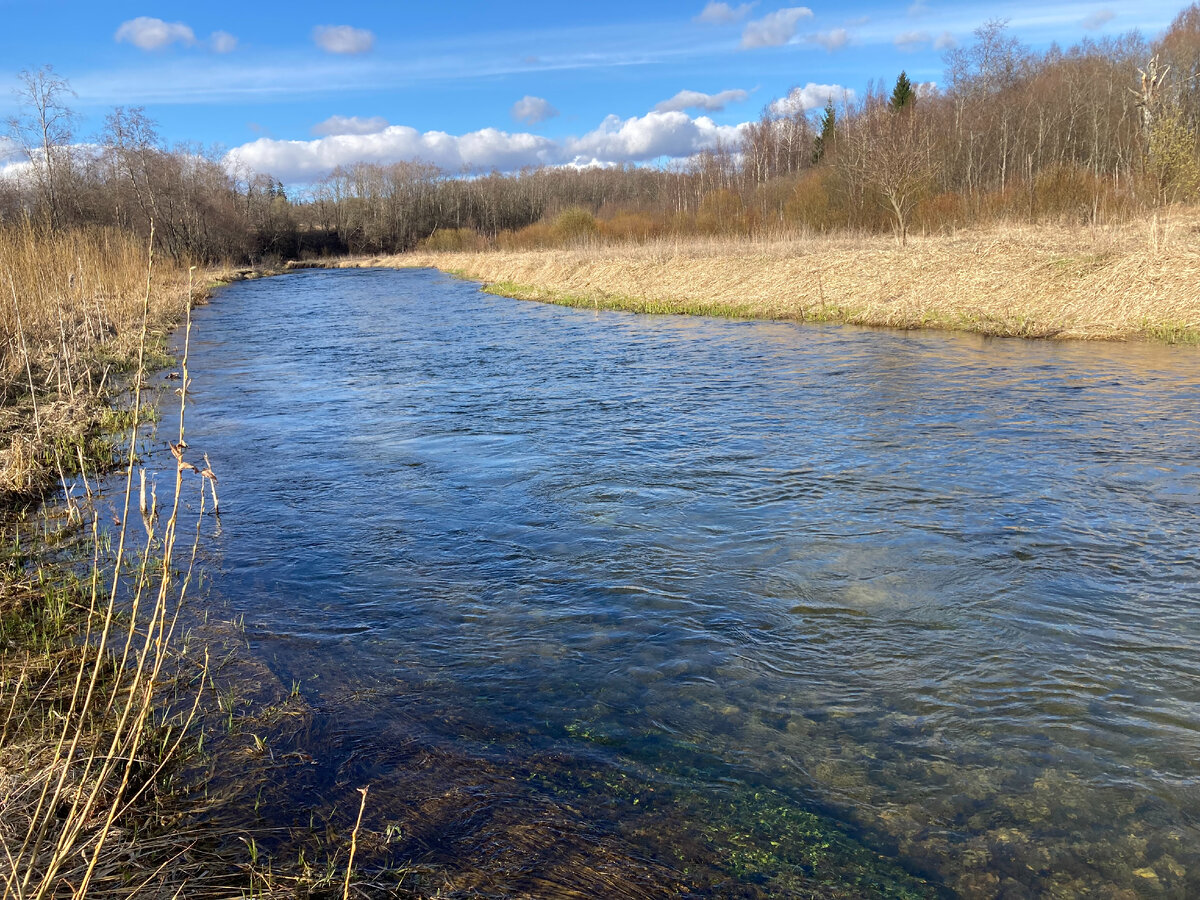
(650,606)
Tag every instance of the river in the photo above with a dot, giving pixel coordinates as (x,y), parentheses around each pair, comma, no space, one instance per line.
(649,606)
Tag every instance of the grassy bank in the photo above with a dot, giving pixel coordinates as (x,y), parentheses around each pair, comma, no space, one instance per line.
(88,726)
(1138,280)
(71,311)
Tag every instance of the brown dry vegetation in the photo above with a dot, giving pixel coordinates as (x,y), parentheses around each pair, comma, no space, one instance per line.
(1139,279)
(70,319)
(85,732)
(104,703)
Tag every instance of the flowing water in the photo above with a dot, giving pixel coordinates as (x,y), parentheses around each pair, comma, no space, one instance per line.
(643,606)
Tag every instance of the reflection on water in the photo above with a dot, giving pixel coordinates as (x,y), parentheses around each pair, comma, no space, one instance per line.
(709,589)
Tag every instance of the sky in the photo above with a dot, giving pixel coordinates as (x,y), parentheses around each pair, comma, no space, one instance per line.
(297,88)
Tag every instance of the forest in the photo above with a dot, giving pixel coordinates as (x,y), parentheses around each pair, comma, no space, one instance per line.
(1097,132)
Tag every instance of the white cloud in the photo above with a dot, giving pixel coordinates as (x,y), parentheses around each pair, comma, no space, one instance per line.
(642,138)
(671,134)
(918,8)
(350,125)
(1098,19)
(775,29)
(700,100)
(13,161)
(532,110)
(343,39)
(830,40)
(478,151)
(715,13)
(222,42)
(926,88)
(811,96)
(945,41)
(153,34)
(911,40)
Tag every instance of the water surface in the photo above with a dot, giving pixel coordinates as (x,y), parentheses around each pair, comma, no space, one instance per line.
(653,605)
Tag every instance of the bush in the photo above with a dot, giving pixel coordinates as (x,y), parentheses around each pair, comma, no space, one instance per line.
(453,240)
(574,226)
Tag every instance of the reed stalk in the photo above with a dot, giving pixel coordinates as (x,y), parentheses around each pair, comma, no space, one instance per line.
(85,735)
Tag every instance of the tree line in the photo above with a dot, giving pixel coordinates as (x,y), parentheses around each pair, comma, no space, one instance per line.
(1095,132)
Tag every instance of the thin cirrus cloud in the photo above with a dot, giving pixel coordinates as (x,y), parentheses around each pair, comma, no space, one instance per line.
(910,41)
(1098,19)
(945,41)
(343,39)
(716,13)
(656,135)
(700,100)
(532,110)
(834,39)
(149,33)
(222,42)
(350,125)
(812,96)
(774,29)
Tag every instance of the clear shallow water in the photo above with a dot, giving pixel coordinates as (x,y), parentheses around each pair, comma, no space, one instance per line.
(613,603)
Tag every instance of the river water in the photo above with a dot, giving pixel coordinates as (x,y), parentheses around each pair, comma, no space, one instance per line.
(645,606)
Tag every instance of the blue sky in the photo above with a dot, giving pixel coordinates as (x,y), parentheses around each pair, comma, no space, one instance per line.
(492,84)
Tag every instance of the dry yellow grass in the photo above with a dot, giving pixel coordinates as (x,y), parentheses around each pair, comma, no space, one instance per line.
(70,319)
(1128,281)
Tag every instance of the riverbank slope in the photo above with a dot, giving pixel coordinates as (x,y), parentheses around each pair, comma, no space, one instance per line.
(1137,280)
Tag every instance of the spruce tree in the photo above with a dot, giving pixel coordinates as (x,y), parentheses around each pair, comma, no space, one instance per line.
(825,139)
(903,95)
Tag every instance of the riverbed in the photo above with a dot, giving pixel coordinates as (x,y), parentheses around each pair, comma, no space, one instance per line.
(663,605)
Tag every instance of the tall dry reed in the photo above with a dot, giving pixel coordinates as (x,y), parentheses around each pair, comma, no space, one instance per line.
(85,734)
(71,310)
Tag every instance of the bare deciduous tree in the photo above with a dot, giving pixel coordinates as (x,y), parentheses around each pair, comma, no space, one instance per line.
(44,129)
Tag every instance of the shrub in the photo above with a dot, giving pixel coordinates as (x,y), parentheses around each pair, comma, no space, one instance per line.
(454,240)
(574,226)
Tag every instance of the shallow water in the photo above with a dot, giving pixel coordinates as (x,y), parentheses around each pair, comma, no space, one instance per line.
(643,605)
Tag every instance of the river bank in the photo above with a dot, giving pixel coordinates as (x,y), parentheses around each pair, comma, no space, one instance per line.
(1133,281)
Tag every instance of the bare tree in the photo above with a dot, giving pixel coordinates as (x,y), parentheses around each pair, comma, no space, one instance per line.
(891,152)
(43,129)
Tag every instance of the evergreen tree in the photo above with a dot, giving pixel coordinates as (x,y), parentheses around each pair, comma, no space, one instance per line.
(903,95)
(825,139)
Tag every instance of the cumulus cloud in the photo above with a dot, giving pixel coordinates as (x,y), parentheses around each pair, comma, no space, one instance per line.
(715,13)
(918,8)
(700,100)
(911,40)
(222,42)
(478,151)
(350,125)
(775,29)
(926,88)
(945,41)
(1099,19)
(343,39)
(532,110)
(671,134)
(811,96)
(641,138)
(13,160)
(149,33)
(830,40)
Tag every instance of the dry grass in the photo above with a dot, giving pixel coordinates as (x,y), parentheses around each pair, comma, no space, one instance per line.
(1128,281)
(88,612)
(71,306)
